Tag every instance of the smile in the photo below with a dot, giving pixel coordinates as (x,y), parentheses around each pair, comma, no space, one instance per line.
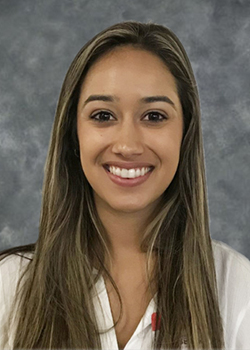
(128,173)
(129,182)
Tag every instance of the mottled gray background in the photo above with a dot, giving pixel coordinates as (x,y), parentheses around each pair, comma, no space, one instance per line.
(39,39)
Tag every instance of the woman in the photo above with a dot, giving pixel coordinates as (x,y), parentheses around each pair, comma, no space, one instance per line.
(124,257)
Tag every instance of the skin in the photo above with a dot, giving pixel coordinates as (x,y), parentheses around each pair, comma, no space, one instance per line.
(129,135)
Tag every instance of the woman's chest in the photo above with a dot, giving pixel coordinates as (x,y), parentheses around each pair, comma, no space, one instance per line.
(135,301)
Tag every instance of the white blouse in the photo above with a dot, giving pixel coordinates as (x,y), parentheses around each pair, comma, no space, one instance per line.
(233,280)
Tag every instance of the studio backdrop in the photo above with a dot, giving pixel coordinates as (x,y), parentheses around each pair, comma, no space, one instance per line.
(39,39)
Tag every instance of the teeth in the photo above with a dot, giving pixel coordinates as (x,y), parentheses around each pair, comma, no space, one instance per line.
(128,173)
(117,171)
(124,173)
(137,172)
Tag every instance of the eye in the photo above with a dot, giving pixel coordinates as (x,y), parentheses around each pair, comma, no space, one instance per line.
(104,116)
(155,117)
(101,117)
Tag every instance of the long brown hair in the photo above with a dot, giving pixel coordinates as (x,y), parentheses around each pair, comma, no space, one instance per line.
(55,306)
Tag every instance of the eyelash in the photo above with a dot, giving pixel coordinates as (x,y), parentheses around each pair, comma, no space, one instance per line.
(105,113)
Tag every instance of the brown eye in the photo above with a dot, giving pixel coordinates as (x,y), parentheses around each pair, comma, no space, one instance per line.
(101,117)
(155,117)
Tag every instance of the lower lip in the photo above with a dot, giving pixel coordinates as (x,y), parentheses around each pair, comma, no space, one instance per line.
(128,182)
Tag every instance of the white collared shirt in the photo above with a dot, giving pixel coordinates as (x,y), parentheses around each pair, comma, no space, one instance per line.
(233,281)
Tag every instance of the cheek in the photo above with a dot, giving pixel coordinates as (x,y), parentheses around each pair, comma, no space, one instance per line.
(88,135)
(91,147)
(167,147)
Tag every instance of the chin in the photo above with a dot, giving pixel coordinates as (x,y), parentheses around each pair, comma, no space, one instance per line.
(129,207)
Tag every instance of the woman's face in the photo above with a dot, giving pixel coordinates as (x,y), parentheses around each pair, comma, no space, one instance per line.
(129,116)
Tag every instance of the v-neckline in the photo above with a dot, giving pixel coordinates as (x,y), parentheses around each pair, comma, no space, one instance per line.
(108,318)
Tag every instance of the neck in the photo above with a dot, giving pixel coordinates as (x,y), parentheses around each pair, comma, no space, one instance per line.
(125,231)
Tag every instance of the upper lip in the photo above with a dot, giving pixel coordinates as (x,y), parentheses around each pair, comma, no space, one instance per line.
(129,165)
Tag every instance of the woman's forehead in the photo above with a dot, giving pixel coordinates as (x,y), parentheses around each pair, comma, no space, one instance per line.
(129,69)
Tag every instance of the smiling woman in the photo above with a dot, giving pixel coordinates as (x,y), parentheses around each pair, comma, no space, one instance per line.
(124,258)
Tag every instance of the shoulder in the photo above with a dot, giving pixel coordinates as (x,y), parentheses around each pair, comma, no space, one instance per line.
(229,262)
(233,282)
(14,263)
(232,270)
(11,268)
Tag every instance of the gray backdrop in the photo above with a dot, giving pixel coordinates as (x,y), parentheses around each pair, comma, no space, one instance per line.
(39,39)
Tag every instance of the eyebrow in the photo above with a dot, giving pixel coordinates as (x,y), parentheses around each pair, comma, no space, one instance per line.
(110,98)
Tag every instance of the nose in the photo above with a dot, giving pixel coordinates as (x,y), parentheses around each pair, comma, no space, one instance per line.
(128,139)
